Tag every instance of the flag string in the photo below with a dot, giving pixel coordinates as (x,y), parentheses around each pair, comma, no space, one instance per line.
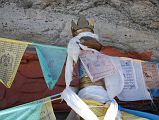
(30,43)
(14,41)
(24,42)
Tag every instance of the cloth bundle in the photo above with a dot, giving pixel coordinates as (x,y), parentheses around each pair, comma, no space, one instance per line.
(100,109)
(69,96)
(125,75)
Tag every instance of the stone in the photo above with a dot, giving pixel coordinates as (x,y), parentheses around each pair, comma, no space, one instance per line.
(125,24)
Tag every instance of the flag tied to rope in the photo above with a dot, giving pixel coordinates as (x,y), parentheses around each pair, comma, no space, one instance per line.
(37,110)
(52,60)
(11,52)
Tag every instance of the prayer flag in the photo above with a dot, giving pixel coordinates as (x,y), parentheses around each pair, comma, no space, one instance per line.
(11,52)
(151,75)
(36,110)
(115,82)
(97,65)
(52,60)
(129,74)
(134,84)
(145,115)
(47,112)
(29,111)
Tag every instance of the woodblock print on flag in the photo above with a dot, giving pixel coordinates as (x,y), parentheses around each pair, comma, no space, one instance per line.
(11,52)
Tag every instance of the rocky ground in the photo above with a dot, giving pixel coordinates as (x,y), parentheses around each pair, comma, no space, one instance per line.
(126,24)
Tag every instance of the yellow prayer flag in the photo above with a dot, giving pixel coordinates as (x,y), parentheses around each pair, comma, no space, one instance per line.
(11,52)
(47,112)
(128,116)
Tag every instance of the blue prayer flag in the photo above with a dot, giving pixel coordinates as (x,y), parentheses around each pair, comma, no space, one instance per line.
(29,111)
(140,113)
(52,60)
(154,92)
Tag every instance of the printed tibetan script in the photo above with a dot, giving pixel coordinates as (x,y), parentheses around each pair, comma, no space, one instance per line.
(97,65)
(129,74)
(10,57)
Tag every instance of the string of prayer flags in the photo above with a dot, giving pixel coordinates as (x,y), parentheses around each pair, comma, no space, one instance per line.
(52,60)
(11,52)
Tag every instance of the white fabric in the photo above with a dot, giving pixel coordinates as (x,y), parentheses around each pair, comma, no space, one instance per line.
(73,47)
(83,110)
(97,93)
(112,111)
(73,50)
(68,95)
(141,92)
(78,105)
(115,83)
(68,70)
(73,116)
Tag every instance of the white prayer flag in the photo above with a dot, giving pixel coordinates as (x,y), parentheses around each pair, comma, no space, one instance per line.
(134,87)
(97,65)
